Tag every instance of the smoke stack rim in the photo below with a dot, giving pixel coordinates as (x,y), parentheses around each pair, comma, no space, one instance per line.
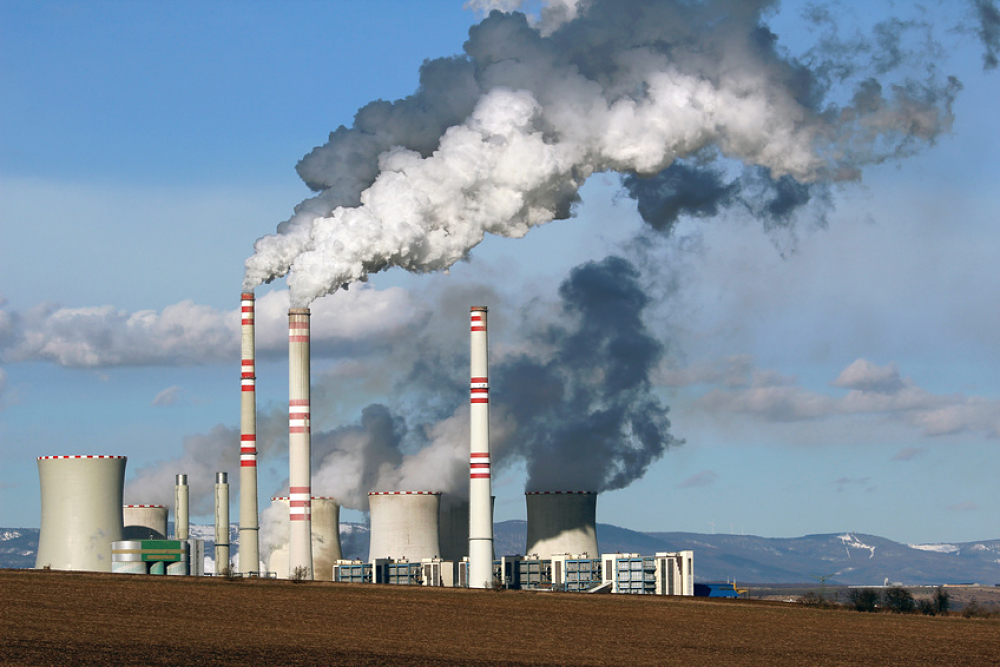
(557,493)
(81,456)
(404,493)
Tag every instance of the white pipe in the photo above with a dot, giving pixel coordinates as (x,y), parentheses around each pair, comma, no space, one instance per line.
(181,516)
(249,523)
(221,522)
(480,483)
(300,565)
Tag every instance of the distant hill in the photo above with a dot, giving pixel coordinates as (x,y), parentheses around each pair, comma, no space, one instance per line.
(842,559)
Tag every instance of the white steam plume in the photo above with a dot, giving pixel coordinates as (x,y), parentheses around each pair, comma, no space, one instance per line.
(501,139)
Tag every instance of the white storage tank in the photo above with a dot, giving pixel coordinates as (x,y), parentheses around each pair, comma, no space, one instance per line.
(562,522)
(404,525)
(144,522)
(81,511)
(326,549)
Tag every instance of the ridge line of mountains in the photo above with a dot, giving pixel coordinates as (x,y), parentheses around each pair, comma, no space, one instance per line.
(847,559)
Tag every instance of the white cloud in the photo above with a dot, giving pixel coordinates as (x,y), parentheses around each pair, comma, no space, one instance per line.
(166,397)
(873,391)
(186,333)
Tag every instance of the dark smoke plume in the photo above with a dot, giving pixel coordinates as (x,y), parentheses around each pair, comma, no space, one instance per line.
(585,417)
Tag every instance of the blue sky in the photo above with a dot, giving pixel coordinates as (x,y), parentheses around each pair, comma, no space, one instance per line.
(831,377)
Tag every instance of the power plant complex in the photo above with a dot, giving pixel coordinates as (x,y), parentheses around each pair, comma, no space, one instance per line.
(418,537)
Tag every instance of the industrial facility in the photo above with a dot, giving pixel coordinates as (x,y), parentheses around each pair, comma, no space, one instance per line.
(420,537)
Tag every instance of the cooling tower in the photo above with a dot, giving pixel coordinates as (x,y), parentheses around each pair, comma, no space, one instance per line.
(249,526)
(221,522)
(81,511)
(454,528)
(480,481)
(325,538)
(299,443)
(562,522)
(404,525)
(181,521)
(144,522)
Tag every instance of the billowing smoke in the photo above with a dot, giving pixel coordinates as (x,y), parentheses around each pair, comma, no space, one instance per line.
(586,416)
(500,139)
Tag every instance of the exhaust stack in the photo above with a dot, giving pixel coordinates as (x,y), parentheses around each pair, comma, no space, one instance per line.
(221,522)
(300,565)
(480,482)
(181,516)
(249,523)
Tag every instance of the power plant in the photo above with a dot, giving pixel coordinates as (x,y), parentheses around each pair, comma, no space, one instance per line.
(417,537)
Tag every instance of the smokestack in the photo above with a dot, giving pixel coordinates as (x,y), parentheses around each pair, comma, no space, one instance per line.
(480,484)
(562,522)
(144,522)
(300,564)
(249,525)
(81,511)
(181,522)
(221,522)
(404,525)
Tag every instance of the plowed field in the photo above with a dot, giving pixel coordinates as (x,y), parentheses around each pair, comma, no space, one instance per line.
(61,618)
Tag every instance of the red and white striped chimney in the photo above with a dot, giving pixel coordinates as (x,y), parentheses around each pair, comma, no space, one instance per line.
(480,483)
(249,526)
(299,441)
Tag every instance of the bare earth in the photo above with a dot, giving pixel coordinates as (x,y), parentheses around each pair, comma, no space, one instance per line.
(63,618)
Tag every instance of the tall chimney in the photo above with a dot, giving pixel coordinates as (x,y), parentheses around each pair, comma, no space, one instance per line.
(221,522)
(480,484)
(300,564)
(249,526)
(181,521)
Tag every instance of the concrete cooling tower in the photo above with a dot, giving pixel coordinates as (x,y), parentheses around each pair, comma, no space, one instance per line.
(453,531)
(562,522)
(81,511)
(404,525)
(325,538)
(144,522)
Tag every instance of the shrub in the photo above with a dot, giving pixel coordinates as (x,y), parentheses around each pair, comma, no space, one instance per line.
(942,601)
(863,599)
(899,600)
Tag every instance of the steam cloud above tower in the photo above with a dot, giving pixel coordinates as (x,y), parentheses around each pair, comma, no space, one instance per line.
(500,139)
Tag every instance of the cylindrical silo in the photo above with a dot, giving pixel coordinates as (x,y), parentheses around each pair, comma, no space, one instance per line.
(404,525)
(249,523)
(325,538)
(480,481)
(144,522)
(562,522)
(221,523)
(181,518)
(454,527)
(81,511)
(300,562)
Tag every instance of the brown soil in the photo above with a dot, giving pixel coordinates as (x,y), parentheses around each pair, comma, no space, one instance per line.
(63,618)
